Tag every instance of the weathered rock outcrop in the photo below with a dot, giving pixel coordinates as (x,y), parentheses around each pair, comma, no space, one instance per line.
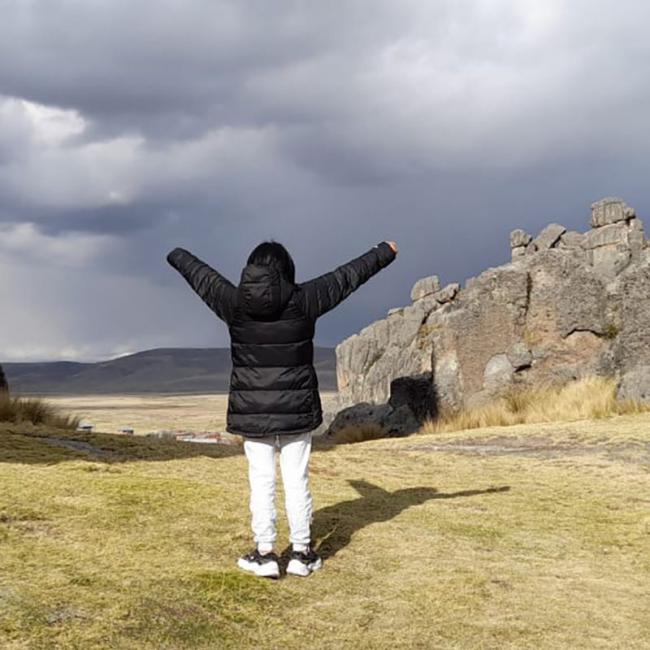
(3,382)
(566,305)
(411,402)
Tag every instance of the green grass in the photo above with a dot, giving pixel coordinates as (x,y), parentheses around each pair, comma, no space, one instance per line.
(448,540)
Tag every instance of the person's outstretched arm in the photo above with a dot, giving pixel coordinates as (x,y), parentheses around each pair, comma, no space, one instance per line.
(216,291)
(326,291)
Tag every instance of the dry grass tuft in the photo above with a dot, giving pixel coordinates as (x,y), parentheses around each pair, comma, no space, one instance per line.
(35,411)
(357,433)
(587,398)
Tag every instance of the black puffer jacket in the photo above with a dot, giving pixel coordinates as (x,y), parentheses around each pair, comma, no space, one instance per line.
(273,385)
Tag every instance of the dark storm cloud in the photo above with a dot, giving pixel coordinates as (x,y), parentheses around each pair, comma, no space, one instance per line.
(160,65)
(114,219)
(129,128)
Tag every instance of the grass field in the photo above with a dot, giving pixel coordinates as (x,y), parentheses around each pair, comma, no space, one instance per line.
(147,413)
(531,536)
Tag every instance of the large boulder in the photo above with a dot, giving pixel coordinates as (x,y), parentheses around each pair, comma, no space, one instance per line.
(425,287)
(519,238)
(610,210)
(549,236)
(569,304)
(411,403)
(4,387)
(610,248)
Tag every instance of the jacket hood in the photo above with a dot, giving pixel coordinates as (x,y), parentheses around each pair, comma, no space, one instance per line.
(263,290)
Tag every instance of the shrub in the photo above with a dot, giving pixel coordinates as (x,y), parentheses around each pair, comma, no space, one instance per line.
(35,411)
(611,331)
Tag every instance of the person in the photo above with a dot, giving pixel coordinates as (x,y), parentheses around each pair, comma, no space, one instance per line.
(274,401)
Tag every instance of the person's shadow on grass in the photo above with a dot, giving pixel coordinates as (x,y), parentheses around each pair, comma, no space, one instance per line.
(333,526)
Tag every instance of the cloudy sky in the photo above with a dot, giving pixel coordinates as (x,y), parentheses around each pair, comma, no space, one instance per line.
(130,127)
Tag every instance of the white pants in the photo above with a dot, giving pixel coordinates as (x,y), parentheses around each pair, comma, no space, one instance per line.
(294,464)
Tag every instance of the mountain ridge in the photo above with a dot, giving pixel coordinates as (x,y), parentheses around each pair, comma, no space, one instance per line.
(160,370)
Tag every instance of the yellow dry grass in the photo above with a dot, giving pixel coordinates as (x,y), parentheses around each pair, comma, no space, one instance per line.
(531,536)
(589,397)
(148,413)
(357,433)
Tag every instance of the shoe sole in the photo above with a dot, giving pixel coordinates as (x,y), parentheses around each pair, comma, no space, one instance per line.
(266,570)
(297,568)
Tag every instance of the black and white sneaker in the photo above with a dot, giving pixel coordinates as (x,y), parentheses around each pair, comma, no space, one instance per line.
(302,563)
(265,565)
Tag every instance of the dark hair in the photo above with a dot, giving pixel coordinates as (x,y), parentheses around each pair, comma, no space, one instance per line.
(272,253)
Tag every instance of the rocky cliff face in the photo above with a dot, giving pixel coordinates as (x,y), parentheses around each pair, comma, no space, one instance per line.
(566,305)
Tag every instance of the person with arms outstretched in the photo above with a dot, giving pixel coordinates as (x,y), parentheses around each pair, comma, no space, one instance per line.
(274,401)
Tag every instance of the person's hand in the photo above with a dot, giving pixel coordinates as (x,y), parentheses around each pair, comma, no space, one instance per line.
(393,245)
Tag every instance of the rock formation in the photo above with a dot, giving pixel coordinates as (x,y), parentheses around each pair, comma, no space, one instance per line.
(568,304)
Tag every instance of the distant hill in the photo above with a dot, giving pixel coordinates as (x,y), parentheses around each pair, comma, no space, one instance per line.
(164,370)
